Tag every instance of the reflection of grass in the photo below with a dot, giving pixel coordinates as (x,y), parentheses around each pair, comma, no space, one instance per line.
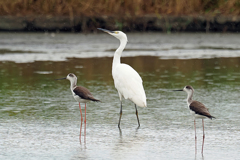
(117,7)
(26,94)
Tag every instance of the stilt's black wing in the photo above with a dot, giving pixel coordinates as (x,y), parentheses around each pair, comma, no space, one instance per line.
(200,109)
(84,93)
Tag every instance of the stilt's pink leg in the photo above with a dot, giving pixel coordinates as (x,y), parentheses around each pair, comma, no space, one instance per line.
(85,121)
(203,136)
(195,137)
(81,123)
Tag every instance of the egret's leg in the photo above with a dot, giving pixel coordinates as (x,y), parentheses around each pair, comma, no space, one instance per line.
(120,115)
(120,132)
(85,122)
(195,137)
(81,123)
(137,115)
(203,136)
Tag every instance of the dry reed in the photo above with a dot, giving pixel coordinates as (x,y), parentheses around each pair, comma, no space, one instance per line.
(118,7)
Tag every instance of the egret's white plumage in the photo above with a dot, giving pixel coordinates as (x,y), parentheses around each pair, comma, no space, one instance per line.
(126,80)
(129,84)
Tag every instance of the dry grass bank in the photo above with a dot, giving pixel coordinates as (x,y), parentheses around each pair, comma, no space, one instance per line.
(118,7)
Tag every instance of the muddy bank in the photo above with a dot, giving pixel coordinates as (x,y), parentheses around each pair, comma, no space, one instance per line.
(143,23)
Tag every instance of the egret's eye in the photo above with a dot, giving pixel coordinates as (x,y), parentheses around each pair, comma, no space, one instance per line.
(116,32)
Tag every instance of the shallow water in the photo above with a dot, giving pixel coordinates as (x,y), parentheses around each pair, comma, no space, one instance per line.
(39,119)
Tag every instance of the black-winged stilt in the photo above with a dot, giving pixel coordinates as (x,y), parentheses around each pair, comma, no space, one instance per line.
(81,95)
(198,110)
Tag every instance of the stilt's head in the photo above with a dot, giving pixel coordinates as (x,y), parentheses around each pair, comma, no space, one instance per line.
(188,89)
(71,77)
(118,34)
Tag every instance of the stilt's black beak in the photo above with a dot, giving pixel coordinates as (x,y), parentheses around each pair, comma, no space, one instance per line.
(61,78)
(105,30)
(178,90)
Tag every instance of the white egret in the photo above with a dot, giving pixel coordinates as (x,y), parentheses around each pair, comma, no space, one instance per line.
(126,80)
(81,95)
(198,110)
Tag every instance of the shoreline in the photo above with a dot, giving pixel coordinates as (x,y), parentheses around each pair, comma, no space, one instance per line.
(146,23)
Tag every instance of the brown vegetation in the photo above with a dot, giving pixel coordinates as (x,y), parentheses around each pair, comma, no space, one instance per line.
(118,7)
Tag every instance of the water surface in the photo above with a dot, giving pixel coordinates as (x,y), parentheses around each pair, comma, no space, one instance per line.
(39,119)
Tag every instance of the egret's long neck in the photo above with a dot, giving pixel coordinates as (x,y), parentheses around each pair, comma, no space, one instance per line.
(189,97)
(118,52)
